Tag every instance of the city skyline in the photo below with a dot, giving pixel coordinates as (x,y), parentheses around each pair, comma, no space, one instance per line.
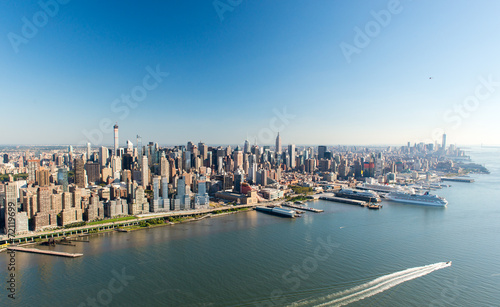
(171,73)
(116,144)
(249,153)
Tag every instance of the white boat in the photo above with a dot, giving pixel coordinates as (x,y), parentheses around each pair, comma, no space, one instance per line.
(418,199)
(382,188)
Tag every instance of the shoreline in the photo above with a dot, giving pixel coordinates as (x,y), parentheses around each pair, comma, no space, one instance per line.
(136,227)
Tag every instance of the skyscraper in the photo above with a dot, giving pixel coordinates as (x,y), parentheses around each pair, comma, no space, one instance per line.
(238,180)
(139,149)
(115,152)
(93,172)
(203,150)
(202,198)
(103,156)
(291,154)
(42,177)
(238,158)
(444,141)
(20,225)
(164,166)
(44,199)
(88,151)
(33,166)
(278,144)
(145,172)
(246,148)
(156,187)
(321,152)
(130,147)
(62,178)
(187,160)
(80,173)
(182,197)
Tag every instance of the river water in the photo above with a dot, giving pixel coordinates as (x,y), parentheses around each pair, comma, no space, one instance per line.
(347,255)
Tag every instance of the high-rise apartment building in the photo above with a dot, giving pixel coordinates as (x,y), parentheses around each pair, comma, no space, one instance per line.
(145,172)
(115,130)
(291,154)
(43,177)
(103,156)
(62,178)
(80,173)
(33,166)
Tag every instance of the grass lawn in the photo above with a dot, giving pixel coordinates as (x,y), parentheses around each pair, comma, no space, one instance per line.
(118,219)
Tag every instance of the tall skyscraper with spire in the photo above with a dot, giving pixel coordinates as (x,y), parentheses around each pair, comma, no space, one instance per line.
(88,151)
(115,152)
(278,144)
(291,154)
(246,148)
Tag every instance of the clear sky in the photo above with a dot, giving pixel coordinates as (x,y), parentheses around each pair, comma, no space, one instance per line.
(343,72)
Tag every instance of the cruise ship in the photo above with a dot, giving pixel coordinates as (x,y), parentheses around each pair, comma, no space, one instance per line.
(381,188)
(359,195)
(418,199)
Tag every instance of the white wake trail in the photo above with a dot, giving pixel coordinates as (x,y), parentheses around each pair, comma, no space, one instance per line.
(373,287)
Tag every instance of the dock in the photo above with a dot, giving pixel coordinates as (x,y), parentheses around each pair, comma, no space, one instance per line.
(44,252)
(344,200)
(303,208)
(468,180)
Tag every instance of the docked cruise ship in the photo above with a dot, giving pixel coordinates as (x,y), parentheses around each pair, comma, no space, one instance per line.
(359,195)
(418,199)
(381,188)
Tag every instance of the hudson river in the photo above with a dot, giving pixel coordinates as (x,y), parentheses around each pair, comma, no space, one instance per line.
(348,254)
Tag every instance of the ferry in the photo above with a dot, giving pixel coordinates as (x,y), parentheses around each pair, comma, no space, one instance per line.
(418,199)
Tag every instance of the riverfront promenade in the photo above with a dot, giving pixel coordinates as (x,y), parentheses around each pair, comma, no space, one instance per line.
(62,232)
(31,236)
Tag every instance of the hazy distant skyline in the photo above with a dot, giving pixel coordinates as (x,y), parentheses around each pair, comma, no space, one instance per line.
(428,67)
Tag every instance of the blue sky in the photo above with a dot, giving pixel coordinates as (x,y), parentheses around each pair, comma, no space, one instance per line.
(228,77)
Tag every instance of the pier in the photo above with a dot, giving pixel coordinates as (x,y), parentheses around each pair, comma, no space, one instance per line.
(303,208)
(344,200)
(45,252)
(468,180)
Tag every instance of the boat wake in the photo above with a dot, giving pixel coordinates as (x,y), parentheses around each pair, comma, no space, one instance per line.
(373,287)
